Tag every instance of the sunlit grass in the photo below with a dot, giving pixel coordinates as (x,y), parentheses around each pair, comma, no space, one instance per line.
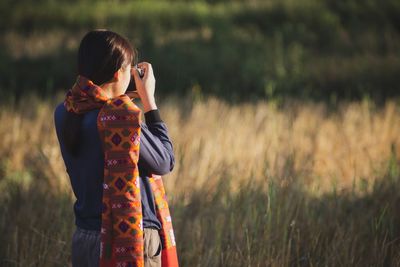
(212,139)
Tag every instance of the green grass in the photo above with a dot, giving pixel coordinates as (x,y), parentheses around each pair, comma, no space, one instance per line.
(258,49)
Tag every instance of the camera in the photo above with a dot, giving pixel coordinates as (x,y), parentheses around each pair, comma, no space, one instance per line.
(132,85)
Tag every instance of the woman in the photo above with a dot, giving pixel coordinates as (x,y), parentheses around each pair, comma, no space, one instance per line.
(113,159)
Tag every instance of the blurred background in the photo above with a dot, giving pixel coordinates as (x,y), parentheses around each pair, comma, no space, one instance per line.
(284,114)
(236,50)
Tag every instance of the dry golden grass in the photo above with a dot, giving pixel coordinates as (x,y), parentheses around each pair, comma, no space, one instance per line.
(213,140)
(306,185)
(261,141)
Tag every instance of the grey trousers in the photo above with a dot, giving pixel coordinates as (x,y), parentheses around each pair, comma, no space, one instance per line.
(86,248)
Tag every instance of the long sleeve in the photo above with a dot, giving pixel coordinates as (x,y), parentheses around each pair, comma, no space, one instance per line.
(156,154)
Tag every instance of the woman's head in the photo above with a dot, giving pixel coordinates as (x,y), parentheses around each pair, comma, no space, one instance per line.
(102,54)
(105,58)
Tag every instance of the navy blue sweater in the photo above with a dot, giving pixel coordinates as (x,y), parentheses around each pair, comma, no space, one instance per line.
(86,170)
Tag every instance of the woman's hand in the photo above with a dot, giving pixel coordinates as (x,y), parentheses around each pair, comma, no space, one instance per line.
(145,86)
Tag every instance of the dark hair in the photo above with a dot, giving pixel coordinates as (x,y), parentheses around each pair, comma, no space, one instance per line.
(101,53)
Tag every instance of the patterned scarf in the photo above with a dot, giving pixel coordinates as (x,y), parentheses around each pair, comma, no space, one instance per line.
(118,124)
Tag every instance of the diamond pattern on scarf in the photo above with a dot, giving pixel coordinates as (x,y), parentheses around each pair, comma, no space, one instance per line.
(126,132)
(128,176)
(119,184)
(116,139)
(135,139)
(123,226)
(132,219)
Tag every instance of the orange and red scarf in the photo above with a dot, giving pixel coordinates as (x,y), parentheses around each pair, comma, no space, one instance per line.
(118,124)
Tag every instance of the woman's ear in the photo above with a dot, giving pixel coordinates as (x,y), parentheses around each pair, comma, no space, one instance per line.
(116,76)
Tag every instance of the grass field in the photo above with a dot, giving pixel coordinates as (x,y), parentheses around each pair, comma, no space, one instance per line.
(299,184)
